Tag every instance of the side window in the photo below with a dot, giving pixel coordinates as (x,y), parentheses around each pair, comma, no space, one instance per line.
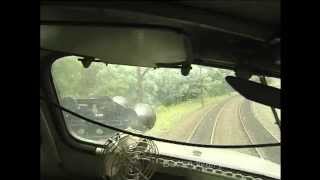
(69,76)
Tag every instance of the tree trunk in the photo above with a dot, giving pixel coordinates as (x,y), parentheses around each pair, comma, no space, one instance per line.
(201,88)
(140,91)
(139,85)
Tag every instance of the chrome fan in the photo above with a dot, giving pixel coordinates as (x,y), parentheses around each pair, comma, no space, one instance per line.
(129,157)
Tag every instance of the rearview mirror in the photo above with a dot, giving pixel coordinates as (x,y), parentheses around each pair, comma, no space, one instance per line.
(128,45)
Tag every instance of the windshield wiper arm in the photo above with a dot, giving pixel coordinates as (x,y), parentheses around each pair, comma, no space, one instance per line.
(275,115)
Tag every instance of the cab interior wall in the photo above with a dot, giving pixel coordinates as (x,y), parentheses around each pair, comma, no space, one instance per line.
(210,46)
(219,39)
(214,19)
(74,163)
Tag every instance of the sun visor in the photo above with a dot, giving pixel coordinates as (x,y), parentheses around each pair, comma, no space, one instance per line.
(257,92)
(118,45)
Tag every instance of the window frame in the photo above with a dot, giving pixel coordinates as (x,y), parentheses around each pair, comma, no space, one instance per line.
(60,116)
(46,79)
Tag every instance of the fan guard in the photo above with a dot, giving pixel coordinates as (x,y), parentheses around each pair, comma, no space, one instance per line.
(130,158)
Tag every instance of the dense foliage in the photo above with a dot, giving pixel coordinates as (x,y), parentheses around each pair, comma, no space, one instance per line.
(161,86)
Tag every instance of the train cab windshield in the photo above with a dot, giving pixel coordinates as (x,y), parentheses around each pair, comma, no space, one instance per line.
(199,108)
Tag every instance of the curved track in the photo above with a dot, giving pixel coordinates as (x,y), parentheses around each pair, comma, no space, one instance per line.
(232,122)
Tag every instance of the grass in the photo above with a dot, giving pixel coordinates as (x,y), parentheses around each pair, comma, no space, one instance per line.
(264,113)
(169,117)
(265,116)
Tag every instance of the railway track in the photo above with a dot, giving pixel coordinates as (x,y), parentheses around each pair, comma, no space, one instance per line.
(269,131)
(199,132)
(259,134)
(259,152)
(239,132)
(215,124)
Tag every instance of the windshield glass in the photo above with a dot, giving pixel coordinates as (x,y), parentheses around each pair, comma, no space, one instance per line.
(199,108)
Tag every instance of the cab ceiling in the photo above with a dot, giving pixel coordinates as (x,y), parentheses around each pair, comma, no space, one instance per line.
(223,33)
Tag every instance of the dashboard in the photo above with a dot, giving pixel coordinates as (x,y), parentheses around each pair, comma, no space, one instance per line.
(131,158)
(186,169)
